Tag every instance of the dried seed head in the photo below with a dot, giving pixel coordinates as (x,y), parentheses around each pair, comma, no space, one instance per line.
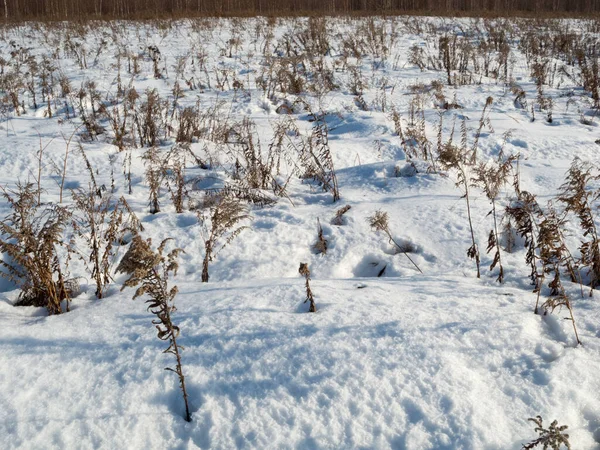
(304,270)
(379,221)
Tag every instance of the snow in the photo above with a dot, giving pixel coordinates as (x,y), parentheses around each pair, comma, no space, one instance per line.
(404,361)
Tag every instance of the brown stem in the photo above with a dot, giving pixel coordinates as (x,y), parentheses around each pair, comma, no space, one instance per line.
(399,248)
(477,262)
(208,247)
(166,309)
(501,274)
(573,320)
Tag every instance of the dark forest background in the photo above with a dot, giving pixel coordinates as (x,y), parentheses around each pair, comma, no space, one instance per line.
(73,9)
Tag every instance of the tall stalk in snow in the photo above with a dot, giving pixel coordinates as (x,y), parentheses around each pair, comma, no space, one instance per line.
(579,200)
(379,222)
(554,256)
(220,226)
(484,120)
(151,269)
(491,178)
(453,157)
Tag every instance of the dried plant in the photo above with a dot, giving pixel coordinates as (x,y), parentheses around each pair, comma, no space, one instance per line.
(590,71)
(339,218)
(154,177)
(65,160)
(173,168)
(525,211)
(305,272)
(151,269)
(189,125)
(554,255)
(257,169)
(101,222)
(220,224)
(88,223)
(575,193)
(414,138)
(483,121)
(380,222)
(30,238)
(316,156)
(540,73)
(447,46)
(491,178)
(321,245)
(552,437)
(149,120)
(38,177)
(120,118)
(87,98)
(395,116)
(255,197)
(453,157)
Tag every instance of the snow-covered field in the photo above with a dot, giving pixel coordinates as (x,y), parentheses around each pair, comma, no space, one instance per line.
(392,358)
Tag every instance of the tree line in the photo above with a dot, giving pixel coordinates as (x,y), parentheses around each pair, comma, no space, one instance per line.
(75,9)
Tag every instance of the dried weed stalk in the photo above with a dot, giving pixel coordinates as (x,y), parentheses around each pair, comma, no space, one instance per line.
(30,238)
(554,256)
(483,121)
(525,211)
(101,221)
(339,218)
(154,177)
(151,270)
(305,272)
(321,245)
(552,437)
(220,224)
(317,159)
(453,157)
(491,178)
(380,222)
(575,193)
